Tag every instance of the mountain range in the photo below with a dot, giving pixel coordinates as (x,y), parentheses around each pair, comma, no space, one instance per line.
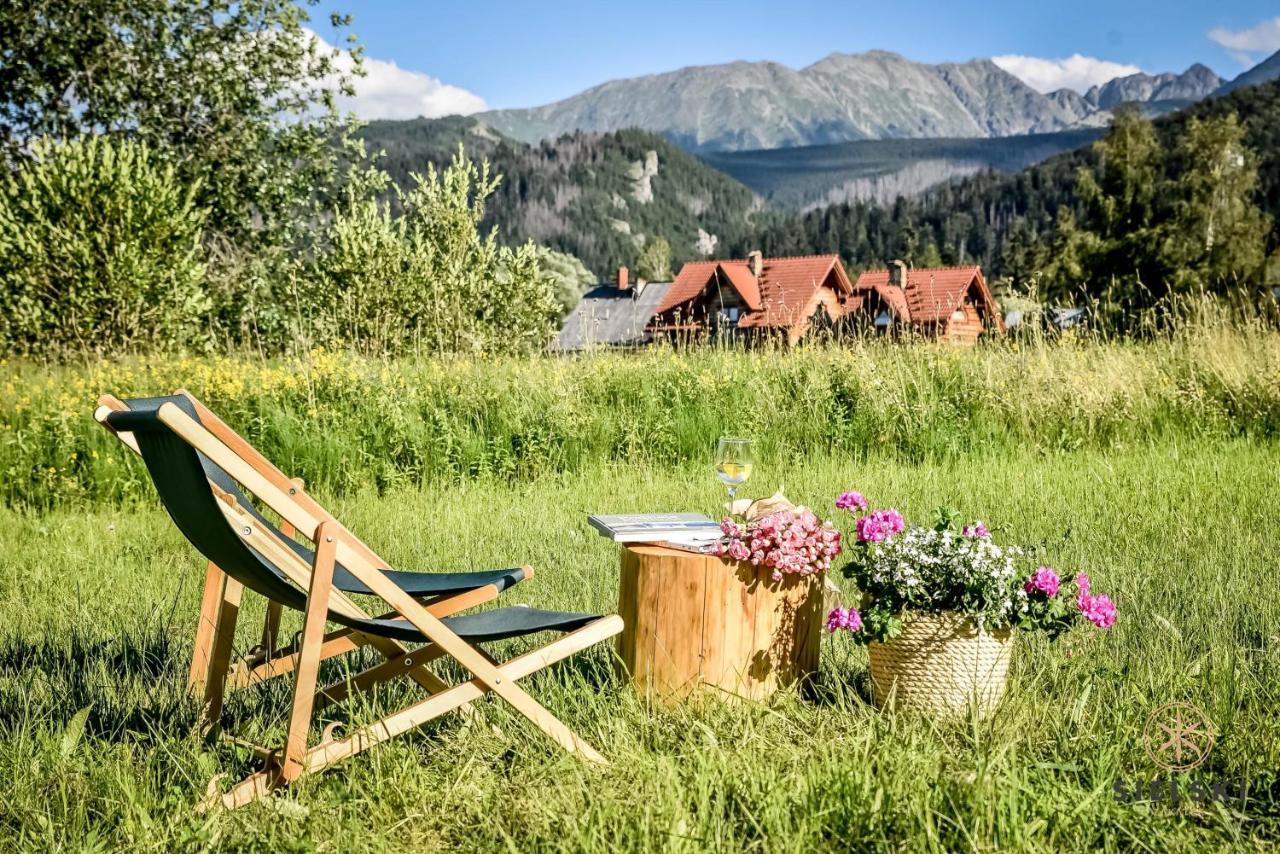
(1263,72)
(874,95)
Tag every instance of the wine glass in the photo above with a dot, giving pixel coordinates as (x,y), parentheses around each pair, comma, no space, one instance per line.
(733,463)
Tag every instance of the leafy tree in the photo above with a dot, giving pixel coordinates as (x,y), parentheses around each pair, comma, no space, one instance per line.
(654,263)
(1217,234)
(1161,221)
(426,279)
(237,94)
(570,278)
(1120,190)
(99,251)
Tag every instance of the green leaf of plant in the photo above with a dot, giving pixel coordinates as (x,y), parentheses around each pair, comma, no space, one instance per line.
(75,731)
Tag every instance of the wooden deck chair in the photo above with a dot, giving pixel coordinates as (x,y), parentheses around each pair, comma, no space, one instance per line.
(445,593)
(171,442)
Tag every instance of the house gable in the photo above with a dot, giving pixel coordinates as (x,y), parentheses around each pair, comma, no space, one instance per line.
(934,300)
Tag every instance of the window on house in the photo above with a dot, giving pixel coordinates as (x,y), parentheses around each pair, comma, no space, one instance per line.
(958,314)
(733,315)
(884,318)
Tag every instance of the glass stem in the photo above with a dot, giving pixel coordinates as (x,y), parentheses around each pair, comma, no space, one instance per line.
(733,490)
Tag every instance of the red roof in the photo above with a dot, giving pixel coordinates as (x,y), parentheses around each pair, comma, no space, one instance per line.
(739,275)
(931,294)
(780,296)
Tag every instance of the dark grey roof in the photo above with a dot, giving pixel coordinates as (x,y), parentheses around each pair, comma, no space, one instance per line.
(1065,318)
(608,317)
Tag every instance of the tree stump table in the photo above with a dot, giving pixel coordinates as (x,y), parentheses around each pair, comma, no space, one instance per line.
(696,622)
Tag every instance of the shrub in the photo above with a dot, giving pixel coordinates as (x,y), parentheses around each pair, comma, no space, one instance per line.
(570,278)
(99,251)
(427,280)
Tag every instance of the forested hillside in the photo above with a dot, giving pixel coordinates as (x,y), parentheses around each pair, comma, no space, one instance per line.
(601,197)
(1008,222)
(880,170)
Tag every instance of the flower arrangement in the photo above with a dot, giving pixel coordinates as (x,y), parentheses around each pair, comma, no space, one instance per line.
(900,568)
(775,534)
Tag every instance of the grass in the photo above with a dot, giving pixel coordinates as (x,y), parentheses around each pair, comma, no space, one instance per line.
(99,602)
(343,422)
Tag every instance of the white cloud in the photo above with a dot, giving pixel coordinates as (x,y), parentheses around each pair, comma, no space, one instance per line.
(1243,45)
(388,91)
(1074,72)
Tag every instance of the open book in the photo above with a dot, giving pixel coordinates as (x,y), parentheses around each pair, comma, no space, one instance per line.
(683,529)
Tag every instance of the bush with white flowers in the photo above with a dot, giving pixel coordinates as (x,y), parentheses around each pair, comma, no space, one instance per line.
(901,569)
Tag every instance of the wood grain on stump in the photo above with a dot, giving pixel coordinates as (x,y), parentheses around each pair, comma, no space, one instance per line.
(701,622)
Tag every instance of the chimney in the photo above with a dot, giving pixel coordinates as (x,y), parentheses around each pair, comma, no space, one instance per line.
(622,278)
(898,273)
(755,262)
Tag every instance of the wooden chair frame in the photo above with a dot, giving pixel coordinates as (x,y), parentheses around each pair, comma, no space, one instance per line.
(213,650)
(335,544)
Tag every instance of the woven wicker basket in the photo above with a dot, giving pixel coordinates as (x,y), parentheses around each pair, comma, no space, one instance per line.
(941,664)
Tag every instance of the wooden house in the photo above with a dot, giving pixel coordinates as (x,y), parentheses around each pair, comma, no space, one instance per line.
(782,298)
(945,303)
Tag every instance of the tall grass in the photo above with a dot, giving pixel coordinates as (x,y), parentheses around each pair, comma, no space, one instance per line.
(346,423)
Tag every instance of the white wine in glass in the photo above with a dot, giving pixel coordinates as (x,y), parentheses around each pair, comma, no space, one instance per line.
(733,463)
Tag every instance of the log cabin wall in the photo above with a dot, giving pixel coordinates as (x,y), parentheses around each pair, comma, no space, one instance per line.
(965,325)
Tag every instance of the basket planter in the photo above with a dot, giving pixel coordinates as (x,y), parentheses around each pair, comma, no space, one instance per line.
(941,664)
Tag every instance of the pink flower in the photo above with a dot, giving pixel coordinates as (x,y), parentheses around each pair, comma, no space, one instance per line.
(1043,580)
(879,524)
(1082,586)
(844,618)
(978,529)
(787,541)
(1099,610)
(850,501)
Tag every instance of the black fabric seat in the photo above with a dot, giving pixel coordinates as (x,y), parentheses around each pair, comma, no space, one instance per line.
(182,478)
(416,584)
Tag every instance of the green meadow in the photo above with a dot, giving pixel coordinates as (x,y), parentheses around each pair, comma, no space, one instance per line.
(1170,506)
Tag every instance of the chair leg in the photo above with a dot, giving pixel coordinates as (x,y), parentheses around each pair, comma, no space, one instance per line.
(271,625)
(206,627)
(307,672)
(224,638)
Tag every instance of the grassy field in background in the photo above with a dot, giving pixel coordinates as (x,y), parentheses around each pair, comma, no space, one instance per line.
(344,423)
(99,603)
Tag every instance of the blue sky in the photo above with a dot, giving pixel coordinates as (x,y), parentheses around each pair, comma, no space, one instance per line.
(440,57)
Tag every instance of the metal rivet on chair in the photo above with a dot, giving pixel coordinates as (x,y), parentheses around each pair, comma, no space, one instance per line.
(247,530)
(408,662)
(293,490)
(328,539)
